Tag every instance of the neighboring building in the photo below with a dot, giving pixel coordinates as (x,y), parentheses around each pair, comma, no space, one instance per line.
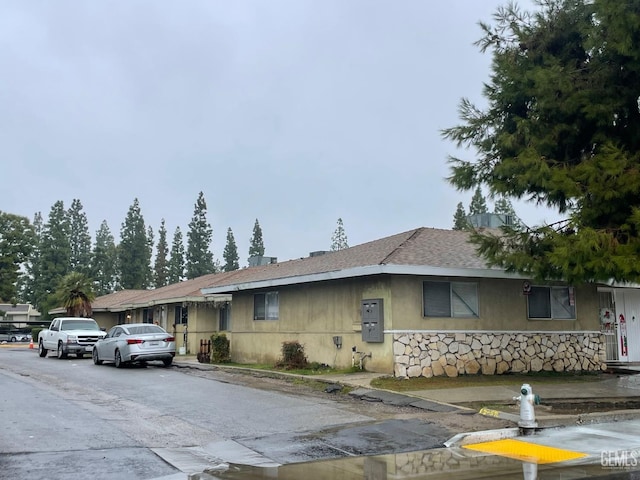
(419,303)
(19,314)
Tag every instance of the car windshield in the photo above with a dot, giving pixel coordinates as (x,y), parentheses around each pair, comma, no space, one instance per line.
(145,329)
(79,325)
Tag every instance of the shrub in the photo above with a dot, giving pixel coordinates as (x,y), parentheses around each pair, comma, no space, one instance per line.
(35,332)
(293,356)
(220,350)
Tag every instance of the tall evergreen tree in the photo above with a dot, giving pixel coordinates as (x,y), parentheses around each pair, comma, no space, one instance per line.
(339,237)
(104,261)
(17,238)
(561,128)
(150,270)
(176,261)
(161,267)
(79,239)
(199,257)
(26,283)
(54,258)
(134,254)
(460,221)
(478,203)
(256,245)
(230,254)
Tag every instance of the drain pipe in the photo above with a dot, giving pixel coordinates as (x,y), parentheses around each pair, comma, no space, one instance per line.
(527,399)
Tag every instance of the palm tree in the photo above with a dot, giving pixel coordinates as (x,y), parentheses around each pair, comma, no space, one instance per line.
(75,293)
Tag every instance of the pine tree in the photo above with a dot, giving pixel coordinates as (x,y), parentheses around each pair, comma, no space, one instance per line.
(161,267)
(503,206)
(561,128)
(478,203)
(256,244)
(199,257)
(134,254)
(176,261)
(230,254)
(339,237)
(17,238)
(27,285)
(150,271)
(460,221)
(79,239)
(54,258)
(104,261)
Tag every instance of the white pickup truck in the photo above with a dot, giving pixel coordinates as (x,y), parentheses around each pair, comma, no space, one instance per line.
(70,335)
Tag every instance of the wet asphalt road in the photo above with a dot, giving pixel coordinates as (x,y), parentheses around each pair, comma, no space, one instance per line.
(71,419)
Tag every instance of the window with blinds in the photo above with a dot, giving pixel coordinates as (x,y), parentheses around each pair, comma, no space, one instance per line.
(450,299)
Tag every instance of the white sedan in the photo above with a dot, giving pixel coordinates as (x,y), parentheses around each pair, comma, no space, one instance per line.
(135,343)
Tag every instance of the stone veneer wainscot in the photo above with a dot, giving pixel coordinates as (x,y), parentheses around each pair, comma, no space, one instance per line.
(433,354)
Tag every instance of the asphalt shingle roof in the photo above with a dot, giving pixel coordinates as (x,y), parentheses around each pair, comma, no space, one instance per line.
(419,247)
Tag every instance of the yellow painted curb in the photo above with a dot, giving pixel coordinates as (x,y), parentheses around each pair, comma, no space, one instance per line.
(525,451)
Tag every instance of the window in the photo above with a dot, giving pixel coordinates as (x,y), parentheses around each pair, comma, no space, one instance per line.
(450,299)
(265,306)
(552,302)
(181,315)
(225,317)
(147,315)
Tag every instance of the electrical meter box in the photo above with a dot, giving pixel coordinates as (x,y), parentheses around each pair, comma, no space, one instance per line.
(372,315)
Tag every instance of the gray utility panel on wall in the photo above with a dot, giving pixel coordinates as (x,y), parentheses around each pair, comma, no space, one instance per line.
(372,315)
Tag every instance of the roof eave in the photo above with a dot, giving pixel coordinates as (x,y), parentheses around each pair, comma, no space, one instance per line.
(365,271)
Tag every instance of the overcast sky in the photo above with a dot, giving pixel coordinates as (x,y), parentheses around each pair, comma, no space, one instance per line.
(293,112)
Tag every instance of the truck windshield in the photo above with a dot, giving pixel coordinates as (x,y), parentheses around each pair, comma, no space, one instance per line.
(79,325)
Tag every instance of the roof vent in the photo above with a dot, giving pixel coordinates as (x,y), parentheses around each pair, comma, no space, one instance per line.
(491,220)
(260,260)
(318,253)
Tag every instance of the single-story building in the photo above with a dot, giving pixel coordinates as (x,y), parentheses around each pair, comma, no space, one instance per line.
(419,303)
(180,308)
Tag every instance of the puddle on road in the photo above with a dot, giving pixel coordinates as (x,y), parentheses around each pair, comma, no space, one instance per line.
(437,464)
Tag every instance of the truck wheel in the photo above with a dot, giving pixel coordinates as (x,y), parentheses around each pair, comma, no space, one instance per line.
(80,355)
(96,360)
(118,360)
(61,352)
(41,350)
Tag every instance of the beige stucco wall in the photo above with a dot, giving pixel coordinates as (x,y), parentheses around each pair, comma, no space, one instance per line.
(501,304)
(313,314)
(202,323)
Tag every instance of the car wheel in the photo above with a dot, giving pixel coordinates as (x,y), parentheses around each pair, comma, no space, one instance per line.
(80,355)
(167,361)
(13,339)
(41,350)
(118,360)
(61,353)
(96,360)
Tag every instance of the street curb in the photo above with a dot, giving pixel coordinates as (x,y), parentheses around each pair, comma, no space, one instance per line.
(406,399)
(468,438)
